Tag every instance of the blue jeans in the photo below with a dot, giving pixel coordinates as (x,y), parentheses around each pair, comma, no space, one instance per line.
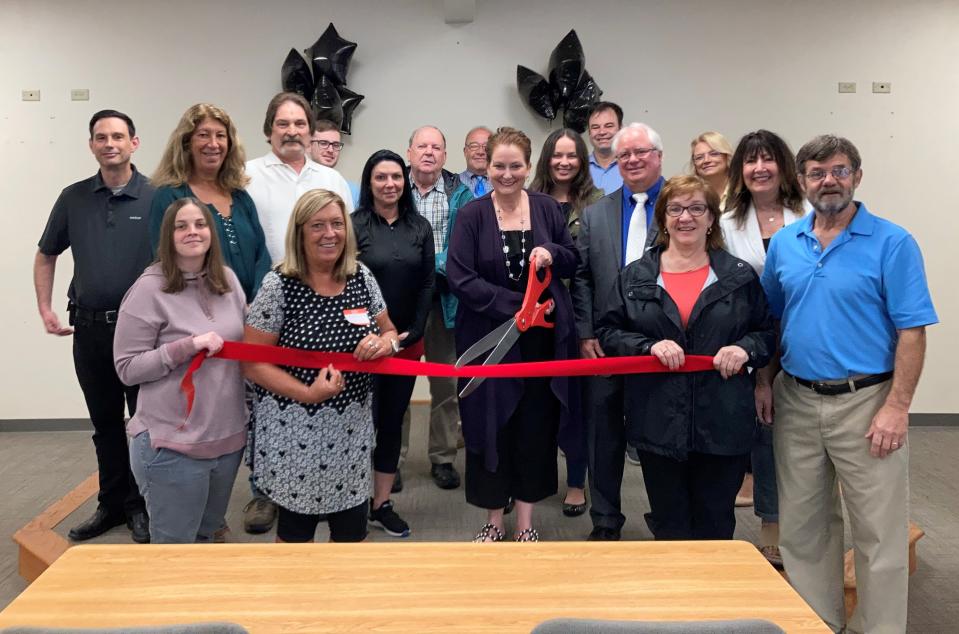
(186,497)
(765,493)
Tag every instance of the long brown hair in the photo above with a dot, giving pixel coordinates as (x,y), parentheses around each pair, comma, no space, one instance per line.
(581,187)
(213,267)
(683,186)
(739,197)
(176,165)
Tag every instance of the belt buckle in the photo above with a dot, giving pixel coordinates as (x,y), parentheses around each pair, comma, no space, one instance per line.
(110,316)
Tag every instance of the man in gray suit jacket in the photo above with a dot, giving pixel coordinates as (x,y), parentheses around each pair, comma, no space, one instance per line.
(615,230)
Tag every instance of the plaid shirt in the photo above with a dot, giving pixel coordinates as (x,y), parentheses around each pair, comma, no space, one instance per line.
(434,205)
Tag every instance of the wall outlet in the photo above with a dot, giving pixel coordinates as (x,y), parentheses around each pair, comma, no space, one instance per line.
(881,87)
(30,95)
(80,94)
(847,86)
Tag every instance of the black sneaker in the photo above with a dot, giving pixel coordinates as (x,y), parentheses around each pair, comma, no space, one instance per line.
(387,519)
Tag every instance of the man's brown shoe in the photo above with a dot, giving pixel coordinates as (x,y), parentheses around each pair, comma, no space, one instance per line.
(259,515)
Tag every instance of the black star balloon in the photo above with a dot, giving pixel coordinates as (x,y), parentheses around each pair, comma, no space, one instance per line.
(331,55)
(350,101)
(296,76)
(566,65)
(577,108)
(326,102)
(535,92)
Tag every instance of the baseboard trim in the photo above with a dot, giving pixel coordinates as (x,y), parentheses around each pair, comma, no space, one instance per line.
(83,424)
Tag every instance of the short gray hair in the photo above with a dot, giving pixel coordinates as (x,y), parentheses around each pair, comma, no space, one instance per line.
(653,136)
(826,146)
(426,127)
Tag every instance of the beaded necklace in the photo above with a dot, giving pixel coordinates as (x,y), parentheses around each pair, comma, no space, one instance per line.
(502,235)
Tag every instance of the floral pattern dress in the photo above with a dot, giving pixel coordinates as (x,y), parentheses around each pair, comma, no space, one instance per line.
(315,458)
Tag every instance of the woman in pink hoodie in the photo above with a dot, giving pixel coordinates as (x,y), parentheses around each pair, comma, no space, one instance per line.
(184,303)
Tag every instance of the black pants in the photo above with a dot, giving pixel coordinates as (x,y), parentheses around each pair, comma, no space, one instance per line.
(391,397)
(695,498)
(526,446)
(348,525)
(606,448)
(105,396)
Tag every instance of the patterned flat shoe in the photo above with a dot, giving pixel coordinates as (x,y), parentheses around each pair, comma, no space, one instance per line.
(489,533)
(528,535)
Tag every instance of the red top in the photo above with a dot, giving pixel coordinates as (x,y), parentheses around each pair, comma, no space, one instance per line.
(685,288)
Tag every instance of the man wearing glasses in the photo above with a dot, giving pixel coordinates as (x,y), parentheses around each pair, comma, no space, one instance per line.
(616,230)
(850,289)
(326,147)
(474,150)
(286,172)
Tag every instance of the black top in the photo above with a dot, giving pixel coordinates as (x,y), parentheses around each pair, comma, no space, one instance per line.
(109,236)
(766,244)
(401,257)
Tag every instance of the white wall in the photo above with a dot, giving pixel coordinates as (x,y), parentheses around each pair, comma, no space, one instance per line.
(683,66)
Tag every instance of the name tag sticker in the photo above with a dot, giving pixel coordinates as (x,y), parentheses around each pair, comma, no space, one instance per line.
(357,316)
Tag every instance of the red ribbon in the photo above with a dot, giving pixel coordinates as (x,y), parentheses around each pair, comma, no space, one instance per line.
(343,361)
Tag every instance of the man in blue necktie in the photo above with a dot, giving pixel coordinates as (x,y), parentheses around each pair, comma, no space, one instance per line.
(474,150)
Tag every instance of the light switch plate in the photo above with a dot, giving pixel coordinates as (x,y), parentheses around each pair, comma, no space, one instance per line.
(31,95)
(80,94)
(847,86)
(883,87)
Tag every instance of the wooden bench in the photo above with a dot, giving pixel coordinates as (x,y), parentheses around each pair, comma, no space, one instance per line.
(849,566)
(39,545)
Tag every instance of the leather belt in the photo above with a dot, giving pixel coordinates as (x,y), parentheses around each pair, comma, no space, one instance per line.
(832,389)
(101,316)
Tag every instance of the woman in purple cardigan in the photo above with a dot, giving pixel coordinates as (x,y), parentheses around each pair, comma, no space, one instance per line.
(512,426)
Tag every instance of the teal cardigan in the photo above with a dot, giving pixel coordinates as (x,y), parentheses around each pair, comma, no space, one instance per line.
(460,196)
(249,258)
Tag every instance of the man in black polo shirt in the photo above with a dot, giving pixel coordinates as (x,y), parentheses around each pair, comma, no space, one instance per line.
(103,219)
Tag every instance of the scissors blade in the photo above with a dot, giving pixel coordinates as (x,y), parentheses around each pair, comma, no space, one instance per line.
(485,344)
(506,343)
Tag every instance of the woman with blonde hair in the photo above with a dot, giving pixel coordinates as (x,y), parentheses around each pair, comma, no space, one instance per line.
(204,159)
(710,155)
(312,429)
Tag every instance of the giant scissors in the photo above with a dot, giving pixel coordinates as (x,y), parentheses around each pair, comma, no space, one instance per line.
(504,337)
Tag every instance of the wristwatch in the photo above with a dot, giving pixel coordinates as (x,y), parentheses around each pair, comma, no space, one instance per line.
(395,344)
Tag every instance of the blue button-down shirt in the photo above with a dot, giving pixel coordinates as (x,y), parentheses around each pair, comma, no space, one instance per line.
(606,178)
(841,307)
(477,183)
(629,205)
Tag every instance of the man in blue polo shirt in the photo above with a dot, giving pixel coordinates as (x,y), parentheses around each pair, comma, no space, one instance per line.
(851,291)
(604,121)
(103,220)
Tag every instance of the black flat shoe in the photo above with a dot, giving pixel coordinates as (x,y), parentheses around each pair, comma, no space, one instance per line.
(100,522)
(139,524)
(574,510)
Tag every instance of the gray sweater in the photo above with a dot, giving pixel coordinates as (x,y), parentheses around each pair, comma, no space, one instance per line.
(153,346)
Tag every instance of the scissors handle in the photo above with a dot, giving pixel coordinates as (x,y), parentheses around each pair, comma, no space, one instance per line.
(532,313)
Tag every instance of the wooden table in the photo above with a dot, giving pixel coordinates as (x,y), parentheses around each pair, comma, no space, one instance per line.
(408,587)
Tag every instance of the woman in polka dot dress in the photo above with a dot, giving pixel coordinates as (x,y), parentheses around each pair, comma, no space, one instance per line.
(312,428)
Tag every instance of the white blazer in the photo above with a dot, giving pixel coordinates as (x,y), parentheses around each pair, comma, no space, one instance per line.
(746,242)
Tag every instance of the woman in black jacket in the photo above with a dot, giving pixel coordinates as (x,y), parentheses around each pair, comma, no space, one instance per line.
(693,431)
(396,243)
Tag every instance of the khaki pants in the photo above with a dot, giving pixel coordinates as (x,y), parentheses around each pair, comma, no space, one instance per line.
(820,444)
(444,409)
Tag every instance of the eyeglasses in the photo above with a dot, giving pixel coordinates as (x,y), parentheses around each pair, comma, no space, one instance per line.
(639,153)
(695,210)
(336,146)
(321,227)
(472,147)
(713,154)
(839,172)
